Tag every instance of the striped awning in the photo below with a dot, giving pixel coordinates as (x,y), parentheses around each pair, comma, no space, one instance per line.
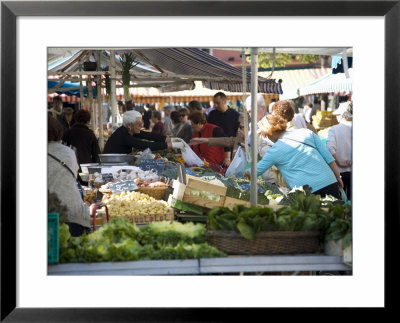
(336,84)
(196,64)
(293,79)
(153,95)
(167,66)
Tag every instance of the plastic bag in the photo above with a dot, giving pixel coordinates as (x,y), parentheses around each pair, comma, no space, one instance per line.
(190,157)
(238,164)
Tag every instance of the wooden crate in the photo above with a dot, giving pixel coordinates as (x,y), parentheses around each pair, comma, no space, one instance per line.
(182,192)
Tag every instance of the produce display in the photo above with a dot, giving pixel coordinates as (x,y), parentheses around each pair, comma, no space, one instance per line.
(134,203)
(304,212)
(119,240)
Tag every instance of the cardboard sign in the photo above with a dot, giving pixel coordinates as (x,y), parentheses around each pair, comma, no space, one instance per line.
(108,177)
(122,186)
(156,165)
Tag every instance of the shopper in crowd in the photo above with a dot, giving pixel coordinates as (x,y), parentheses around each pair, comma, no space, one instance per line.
(183,129)
(168,125)
(67,118)
(146,116)
(130,135)
(158,125)
(301,157)
(62,172)
(129,105)
(226,118)
(202,129)
(234,142)
(284,109)
(339,143)
(57,108)
(82,139)
(194,105)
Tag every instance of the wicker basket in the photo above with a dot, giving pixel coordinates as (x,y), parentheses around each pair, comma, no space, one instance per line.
(265,243)
(157,192)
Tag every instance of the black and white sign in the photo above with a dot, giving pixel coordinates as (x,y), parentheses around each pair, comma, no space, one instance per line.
(122,186)
(152,164)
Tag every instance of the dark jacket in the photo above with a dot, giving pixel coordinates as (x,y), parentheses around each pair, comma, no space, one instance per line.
(85,142)
(65,123)
(121,142)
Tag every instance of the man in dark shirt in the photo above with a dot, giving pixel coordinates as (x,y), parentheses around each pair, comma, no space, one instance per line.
(129,136)
(226,118)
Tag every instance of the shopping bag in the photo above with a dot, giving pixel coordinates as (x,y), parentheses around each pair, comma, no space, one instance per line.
(344,196)
(238,164)
(190,157)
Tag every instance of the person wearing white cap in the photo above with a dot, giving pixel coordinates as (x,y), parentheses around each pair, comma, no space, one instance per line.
(339,143)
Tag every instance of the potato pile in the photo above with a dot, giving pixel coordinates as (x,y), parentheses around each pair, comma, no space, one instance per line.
(134,203)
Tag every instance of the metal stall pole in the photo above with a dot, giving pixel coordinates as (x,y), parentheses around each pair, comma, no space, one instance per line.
(100,102)
(245,115)
(254,148)
(114,110)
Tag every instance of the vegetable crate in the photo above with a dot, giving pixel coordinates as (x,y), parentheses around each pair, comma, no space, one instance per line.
(148,218)
(199,192)
(52,238)
(265,243)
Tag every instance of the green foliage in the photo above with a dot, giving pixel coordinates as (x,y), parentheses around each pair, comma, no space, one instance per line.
(119,240)
(127,62)
(304,214)
(265,60)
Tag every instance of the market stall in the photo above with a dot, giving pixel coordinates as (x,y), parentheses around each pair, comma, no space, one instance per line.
(142,199)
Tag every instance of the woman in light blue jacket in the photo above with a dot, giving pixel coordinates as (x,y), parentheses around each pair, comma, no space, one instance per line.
(301,157)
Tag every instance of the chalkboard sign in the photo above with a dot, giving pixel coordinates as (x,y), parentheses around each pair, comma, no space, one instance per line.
(122,186)
(93,170)
(108,177)
(155,164)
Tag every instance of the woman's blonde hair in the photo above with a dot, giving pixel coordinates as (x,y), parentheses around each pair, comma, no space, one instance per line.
(276,125)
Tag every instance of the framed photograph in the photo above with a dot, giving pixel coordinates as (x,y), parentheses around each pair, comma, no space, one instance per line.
(28,28)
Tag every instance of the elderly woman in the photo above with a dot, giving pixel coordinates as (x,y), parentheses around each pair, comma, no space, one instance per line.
(301,157)
(130,135)
(62,171)
(202,129)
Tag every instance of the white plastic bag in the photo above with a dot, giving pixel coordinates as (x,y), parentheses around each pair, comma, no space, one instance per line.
(190,157)
(238,164)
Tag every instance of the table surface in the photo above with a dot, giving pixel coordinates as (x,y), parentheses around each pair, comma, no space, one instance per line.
(226,265)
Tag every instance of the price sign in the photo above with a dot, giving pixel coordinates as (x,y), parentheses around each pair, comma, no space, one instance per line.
(122,186)
(152,164)
(108,177)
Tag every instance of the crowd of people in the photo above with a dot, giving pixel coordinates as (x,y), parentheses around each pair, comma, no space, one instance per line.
(290,152)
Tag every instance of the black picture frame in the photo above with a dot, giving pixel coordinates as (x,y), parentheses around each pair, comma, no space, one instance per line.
(10,10)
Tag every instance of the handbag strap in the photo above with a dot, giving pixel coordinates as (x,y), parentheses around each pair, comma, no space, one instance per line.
(299,142)
(62,163)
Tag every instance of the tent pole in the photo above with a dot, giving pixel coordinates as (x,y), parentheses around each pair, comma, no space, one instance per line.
(100,102)
(254,148)
(113,90)
(245,114)
(82,105)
